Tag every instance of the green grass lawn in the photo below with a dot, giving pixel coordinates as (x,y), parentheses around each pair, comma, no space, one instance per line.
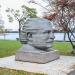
(64,48)
(9,47)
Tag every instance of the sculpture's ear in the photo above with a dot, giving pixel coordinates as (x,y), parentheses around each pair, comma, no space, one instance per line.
(29,35)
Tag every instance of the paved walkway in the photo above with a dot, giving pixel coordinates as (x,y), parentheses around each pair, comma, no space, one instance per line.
(62,66)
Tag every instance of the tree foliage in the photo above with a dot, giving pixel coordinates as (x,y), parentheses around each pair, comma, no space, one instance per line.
(65,18)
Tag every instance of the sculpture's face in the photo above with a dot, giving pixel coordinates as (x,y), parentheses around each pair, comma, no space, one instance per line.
(41,39)
(39,33)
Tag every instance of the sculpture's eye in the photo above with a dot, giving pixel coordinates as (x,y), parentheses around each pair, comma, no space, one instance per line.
(29,34)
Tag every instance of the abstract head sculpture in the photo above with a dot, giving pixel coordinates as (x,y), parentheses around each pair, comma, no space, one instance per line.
(38,33)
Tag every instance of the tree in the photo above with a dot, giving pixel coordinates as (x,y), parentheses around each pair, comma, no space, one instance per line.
(21,15)
(63,15)
(65,18)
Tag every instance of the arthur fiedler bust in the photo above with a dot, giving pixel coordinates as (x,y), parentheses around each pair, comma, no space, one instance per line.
(39,33)
(39,36)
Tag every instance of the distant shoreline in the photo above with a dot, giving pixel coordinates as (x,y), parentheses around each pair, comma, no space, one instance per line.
(12,32)
(18,32)
(14,35)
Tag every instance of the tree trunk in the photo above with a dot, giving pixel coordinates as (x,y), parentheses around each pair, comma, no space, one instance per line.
(19,31)
(64,36)
(73,46)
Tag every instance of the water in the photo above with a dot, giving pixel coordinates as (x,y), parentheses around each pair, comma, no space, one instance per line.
(9,36)
(60,37)
(13,36)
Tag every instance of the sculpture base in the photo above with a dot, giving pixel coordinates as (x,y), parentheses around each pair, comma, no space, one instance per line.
(29,54)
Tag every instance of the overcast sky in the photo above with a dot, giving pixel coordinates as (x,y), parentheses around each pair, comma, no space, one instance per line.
(15,4)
